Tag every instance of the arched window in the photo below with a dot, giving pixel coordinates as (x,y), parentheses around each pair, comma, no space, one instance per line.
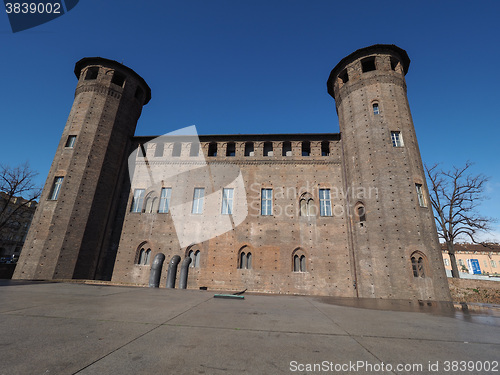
(303,207)
(307,207)
(302,263)
(376,109)
(418,264)
(191,255)
(299,261)
(143,256)
(296,263)
(195,256)
(151,204)
(245,259)
(360,214)
(147,256)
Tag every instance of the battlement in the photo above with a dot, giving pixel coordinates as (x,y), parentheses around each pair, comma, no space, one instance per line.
(315,146)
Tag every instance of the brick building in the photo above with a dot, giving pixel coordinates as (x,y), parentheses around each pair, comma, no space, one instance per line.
(327,214)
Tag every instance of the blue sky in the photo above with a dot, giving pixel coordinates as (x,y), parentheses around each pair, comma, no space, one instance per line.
(260,67)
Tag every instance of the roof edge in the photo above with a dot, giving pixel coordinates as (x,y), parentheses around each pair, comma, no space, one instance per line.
(103,61)
(367,51)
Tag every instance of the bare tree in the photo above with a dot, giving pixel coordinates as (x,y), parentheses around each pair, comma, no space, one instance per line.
(455,196)
(15,183)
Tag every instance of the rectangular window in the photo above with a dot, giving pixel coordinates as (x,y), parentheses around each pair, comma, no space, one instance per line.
(266,202)
(199,194)
(195,149)
(118,79)
(166,193)
(368,64)
(461,262)
(231,149)
(493,264)
(70,143)
(56,188)
(137,201)
(420,195)
(92,73)
(397,139)
(325,204)
(446,262)
(227,201)
(160,147)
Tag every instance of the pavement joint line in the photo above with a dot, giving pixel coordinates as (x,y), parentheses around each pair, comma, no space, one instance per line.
(355,338)
(351,336)
(328,334)
(138,337)
(368,350)
(10,312)
(89,319)
(326,316)
(257,330)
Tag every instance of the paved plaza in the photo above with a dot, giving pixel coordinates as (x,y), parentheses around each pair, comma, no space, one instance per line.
(71,328)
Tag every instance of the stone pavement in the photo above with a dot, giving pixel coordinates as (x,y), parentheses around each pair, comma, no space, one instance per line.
(70,328)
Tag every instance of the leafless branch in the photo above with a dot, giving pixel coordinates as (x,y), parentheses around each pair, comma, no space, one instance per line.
(16,182)
(455,196)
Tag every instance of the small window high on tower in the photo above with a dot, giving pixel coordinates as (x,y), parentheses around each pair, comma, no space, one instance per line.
(368,64)
(92,73)
(344,77)
(118,79)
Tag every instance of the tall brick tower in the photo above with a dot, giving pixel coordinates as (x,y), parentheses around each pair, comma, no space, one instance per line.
(394,242)
(76,211)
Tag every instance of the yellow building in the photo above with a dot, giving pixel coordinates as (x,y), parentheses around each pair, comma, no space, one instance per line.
(488,257)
